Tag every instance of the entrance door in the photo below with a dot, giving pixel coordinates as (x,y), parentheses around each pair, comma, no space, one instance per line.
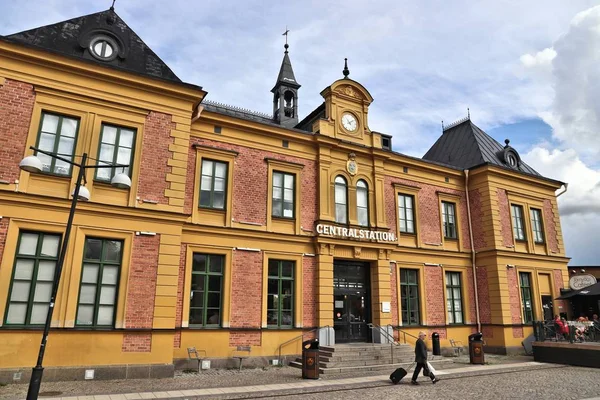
(547,308)
(352,305)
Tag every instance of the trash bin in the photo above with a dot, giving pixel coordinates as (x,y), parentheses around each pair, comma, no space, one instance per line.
(435,344)
(476,348)
(310,359)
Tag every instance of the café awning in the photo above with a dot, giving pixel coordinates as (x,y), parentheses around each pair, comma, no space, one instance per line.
(592,290)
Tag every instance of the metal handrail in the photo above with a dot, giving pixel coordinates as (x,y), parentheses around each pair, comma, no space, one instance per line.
(301,336)
(404,333)
(386,335)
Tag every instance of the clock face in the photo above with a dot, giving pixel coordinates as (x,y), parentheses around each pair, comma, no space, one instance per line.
(349,122)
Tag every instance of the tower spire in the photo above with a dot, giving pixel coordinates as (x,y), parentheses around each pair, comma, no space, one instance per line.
(346,71)
(285,91)
(112,7)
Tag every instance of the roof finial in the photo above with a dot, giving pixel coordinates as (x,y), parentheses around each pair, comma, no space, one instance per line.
(286,46)
(507,142)
(442,125)
(468,113)
(112,8)
(346,71)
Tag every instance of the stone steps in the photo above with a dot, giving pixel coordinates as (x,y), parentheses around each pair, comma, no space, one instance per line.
(361,357)
(381,367)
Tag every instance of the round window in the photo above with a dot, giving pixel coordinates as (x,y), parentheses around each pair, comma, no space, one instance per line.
(103,48)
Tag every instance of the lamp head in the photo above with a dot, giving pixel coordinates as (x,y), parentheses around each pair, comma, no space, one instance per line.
(84,194)
(31,164)
(121,181)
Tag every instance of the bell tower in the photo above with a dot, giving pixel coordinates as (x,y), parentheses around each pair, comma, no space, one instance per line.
(285,93)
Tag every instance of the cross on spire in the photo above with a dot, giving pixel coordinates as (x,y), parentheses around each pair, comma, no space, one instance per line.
(286,38)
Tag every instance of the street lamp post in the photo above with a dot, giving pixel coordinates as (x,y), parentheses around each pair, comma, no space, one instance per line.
(34,164)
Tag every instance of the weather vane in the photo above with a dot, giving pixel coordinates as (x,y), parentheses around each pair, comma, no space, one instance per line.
(286,34)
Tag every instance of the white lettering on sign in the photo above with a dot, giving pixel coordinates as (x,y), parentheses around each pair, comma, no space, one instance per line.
(330,230)
(580,281)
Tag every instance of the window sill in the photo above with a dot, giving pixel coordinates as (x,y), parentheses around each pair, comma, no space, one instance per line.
(211,209)
(451,239)
(284,328)
(283,218)
(55,175)
(107,184)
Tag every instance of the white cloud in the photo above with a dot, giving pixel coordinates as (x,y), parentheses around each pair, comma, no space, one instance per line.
(541,58)
(579,206)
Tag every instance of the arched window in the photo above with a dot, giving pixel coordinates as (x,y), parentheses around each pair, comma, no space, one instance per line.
(362,203)
(341,200)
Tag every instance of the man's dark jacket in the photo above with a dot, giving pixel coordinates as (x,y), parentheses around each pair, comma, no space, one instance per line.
(420,352)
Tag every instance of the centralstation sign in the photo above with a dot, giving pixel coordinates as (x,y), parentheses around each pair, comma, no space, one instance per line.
(353,233)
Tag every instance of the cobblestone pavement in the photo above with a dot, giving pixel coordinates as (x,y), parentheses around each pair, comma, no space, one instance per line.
(209,379)
(559,382)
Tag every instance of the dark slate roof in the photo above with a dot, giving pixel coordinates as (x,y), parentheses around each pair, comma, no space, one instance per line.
(72,38)
(237,112)
(242,113)
(306,123)
(465,145)
(286,73)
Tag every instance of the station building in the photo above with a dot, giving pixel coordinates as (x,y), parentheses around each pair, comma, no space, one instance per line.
(247,229)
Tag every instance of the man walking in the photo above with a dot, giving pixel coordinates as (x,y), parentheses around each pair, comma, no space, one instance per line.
(421,360)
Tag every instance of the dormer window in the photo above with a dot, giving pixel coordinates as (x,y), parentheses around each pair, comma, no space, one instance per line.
(104,48)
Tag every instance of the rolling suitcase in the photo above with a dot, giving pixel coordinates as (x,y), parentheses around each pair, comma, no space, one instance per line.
(398,374)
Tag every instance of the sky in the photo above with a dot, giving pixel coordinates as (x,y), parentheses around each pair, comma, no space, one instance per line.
(528,71)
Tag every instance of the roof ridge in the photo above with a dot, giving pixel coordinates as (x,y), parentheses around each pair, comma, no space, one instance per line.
(456,123)
(236,108)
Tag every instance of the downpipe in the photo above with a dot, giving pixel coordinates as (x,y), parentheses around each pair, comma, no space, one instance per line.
(472,251)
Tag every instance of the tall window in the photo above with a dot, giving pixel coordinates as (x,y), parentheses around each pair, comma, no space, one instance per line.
(207,286)
(518,226)
(454,298)
(99,282)
(116,147)
(449,219)
(536,225)
(362,203)
(213,184)
(526,303)
(58,134)
(280,294)
(341,200)
(406,213)
(409,296)
(283,195)
(31,286)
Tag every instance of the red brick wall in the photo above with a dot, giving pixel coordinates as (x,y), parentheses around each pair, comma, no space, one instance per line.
(477,220)
(180,286)
(244,338)
(515,303)
(142,282)
(434,296)
(394,291)
(246,296)
(503,206)
(250,186)
(483,292)
(429,218)
(309,294)
(155,154)
(137,342)
(558,284)
(469,301)
(16,107)
(3,230)
(551,235)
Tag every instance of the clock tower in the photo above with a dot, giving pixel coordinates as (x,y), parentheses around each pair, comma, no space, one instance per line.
(346,107)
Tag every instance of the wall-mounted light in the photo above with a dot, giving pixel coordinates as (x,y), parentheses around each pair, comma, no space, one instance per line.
(510,266)
(583,270)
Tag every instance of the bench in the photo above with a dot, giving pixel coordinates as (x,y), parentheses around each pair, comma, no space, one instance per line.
(456,346)
(241,353)
(193,355)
